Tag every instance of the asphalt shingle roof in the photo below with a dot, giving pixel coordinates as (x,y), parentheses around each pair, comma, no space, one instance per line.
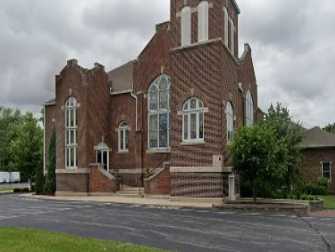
(317,138)
(121,78)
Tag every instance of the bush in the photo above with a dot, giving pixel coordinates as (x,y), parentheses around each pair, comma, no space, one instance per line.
(50,179)
(320,188)
(21,190)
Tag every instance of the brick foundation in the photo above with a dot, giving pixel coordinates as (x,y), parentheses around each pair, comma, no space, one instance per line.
(208,185)
(159,183)
(72,183)
(101,181)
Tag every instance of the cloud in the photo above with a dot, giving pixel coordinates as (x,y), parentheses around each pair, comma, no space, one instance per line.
(293,55)
(292,42)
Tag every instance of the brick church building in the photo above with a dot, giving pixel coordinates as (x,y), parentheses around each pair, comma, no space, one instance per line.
(163,121)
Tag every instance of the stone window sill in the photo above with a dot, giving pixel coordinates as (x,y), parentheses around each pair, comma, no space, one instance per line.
(195,142)
(123,152)
(162,150)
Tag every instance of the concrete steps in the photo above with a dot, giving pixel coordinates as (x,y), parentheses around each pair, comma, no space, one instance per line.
(128,191)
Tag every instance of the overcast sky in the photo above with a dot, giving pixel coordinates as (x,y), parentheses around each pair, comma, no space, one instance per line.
(293,45)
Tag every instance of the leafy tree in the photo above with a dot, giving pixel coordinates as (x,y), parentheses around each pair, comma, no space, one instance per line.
(330,128)
(50,182)
(9,119)
(26,149)
(260,157)
(291,135)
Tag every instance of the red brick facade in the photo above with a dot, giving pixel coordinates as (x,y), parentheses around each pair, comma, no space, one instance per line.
(312,165)
(206,70)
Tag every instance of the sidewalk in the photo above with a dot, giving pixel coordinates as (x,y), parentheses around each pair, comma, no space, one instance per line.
(324,213)
(162,201)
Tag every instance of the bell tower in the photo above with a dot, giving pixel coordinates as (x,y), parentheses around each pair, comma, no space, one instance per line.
(197,21)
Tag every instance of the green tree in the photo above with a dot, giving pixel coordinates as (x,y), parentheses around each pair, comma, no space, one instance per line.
(26,150)
(290,134)
(9,120)
(260,157)
(50,182)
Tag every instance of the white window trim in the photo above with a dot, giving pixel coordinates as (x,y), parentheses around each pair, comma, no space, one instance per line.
(229,122)
(185,26)
(158,112)
(203,13)
(72,108)
(249,110)
(232,36)
(330,169)
(101,152)
(197,111)
(125,129)
(226,27)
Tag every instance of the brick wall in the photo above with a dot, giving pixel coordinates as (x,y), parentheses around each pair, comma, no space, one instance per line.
(151,63)
(311,168)
(100,183)
(199,184)
(72,183)
(123,109)
(158,184)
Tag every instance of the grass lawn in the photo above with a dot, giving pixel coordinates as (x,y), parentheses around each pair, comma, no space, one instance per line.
(27,240)
(6,190)
(329,201)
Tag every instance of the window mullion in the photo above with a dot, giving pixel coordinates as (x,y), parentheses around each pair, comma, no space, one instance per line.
(197,118)
(189,127)
(124,139)
(119,139)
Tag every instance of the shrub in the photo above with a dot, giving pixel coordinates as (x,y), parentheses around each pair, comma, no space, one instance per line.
(21,190)
(320,188)
(50,180)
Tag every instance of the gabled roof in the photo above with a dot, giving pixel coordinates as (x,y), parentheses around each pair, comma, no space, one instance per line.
(317,138)
(121,78)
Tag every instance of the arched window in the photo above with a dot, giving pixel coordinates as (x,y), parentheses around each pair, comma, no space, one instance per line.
(226,27)
(159,113)
(123,133)
(249,109)
(186,26)
(71,133)
(232,37)
(230,122)
(203,21)
(193,120)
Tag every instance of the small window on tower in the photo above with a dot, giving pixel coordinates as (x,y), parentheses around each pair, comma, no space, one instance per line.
(226,27)
(203,21)
(186,26)
(232,37)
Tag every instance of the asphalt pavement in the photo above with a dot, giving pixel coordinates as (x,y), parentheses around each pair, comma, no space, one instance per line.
(175,229)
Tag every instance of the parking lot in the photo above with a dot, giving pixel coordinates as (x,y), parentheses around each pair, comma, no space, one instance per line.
(174,229)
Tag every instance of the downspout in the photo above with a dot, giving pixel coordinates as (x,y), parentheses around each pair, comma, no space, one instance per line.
(141,144)
(136,101)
